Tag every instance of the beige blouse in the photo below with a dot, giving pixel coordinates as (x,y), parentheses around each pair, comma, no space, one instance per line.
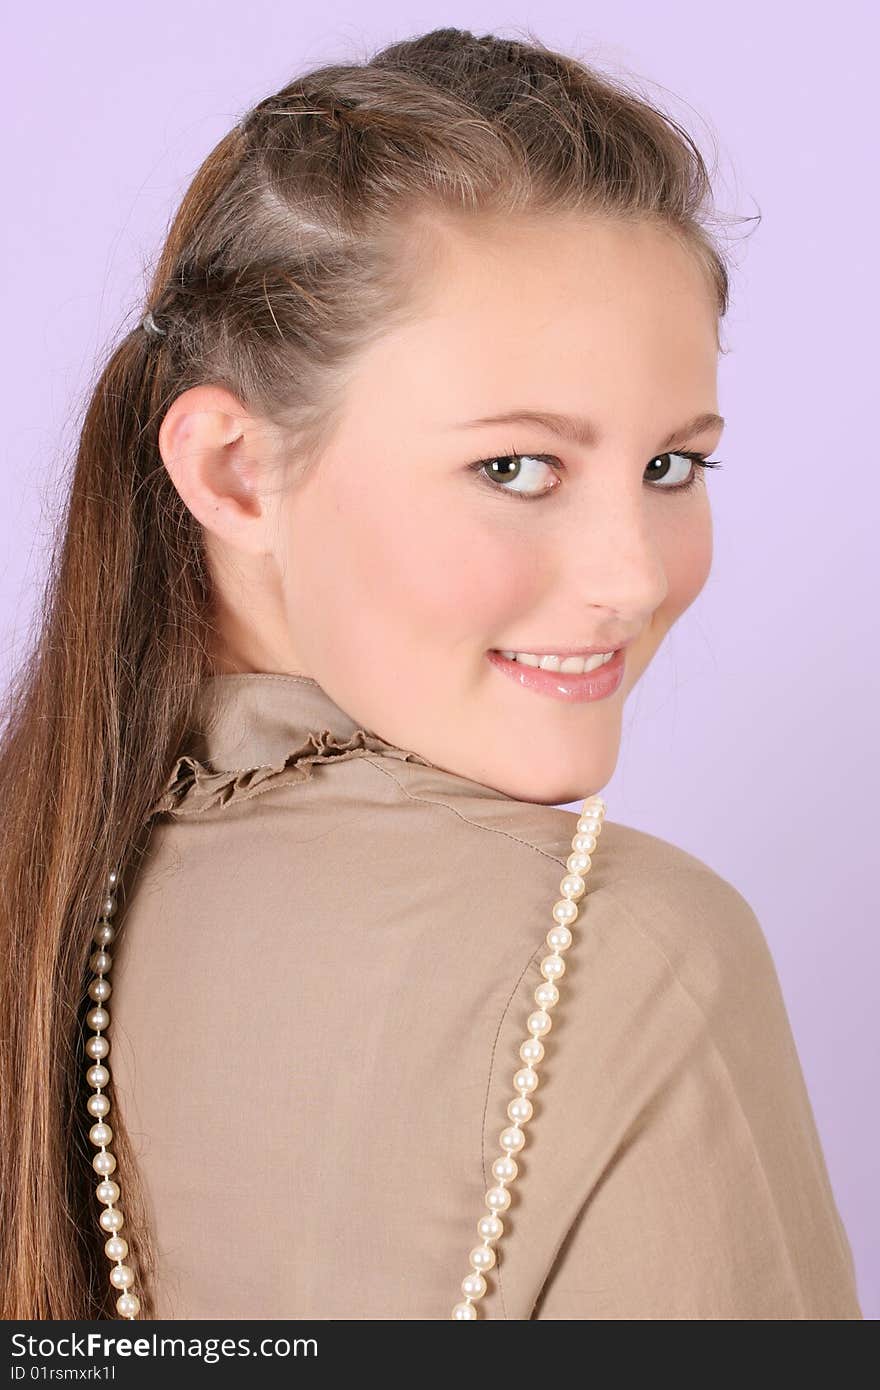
(320,987)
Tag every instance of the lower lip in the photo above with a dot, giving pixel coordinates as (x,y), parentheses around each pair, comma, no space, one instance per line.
(565,685)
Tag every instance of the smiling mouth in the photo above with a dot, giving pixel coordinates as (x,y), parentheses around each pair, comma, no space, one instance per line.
(582,686)
(571,663)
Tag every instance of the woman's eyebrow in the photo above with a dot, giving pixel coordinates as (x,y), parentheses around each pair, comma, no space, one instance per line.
(578,430)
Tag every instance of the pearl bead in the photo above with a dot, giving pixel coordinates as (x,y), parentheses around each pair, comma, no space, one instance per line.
(547,995)
(512,1139)
(579,863)
(505,1169)
(100,1135)
(98,1105)
(104,1163)
(100,962)
(112,879)
(552,967)
(559,938)
(100,989)
(116,1248)
(539,1023)
(107,1191)
(520,1110)
(97,1018)
(108,906)
(532,1050)
(584,844)
(97,1047)
(461,1312)
(128,1305)
(565,910)
(103,934)
(572,886)
(482,1257)
(97,1075)
(111,1219)
(498,1199)
(121,1276)
(474,1285)
(526,1079)
(490,1227)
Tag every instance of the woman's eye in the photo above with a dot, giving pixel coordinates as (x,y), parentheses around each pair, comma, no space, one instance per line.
(520,474)
(505,471)
(693,464)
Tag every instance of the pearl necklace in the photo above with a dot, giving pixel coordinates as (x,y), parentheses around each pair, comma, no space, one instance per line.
(489,1227)
(98,1075)
(512,1139)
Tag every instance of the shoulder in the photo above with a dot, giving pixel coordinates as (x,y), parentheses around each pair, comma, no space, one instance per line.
(642,892)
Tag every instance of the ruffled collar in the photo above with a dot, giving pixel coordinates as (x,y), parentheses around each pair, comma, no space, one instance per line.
(258,730)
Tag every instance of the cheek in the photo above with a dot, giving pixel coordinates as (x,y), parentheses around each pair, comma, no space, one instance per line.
(688,561)
(425,572)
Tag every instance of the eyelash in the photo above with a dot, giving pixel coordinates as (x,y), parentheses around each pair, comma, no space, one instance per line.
(699,459)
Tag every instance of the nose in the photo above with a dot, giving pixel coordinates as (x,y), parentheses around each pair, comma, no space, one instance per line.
(613,556)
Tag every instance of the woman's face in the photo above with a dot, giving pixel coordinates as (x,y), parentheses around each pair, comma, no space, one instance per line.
(401,565)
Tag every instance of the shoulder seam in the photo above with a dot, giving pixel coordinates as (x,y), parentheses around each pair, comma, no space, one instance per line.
(443,806)
(493,1058)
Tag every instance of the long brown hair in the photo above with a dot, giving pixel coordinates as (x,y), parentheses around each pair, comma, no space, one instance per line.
(305,234)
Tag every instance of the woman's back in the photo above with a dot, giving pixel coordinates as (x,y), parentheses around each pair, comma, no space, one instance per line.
(320,987)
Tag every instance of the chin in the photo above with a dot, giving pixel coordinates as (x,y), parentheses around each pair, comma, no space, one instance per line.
(561,793)
(567,788)
(563,798)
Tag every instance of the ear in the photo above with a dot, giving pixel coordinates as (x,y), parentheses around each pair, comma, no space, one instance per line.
(217,455)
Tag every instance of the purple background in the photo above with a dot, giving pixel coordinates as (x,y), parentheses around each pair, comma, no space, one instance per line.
(752,740)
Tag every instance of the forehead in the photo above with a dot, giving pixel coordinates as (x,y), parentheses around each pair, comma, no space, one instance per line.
(552,310)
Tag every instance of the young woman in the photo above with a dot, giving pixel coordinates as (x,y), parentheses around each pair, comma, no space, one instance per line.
(414,427)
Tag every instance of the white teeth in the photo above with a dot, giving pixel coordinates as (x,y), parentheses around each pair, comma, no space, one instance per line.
(577,665)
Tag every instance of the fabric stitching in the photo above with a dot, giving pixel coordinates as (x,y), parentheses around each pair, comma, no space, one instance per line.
(504,1015)
(490,829)
(267,676)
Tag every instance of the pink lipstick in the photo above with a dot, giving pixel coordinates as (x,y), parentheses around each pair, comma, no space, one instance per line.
(564,685)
